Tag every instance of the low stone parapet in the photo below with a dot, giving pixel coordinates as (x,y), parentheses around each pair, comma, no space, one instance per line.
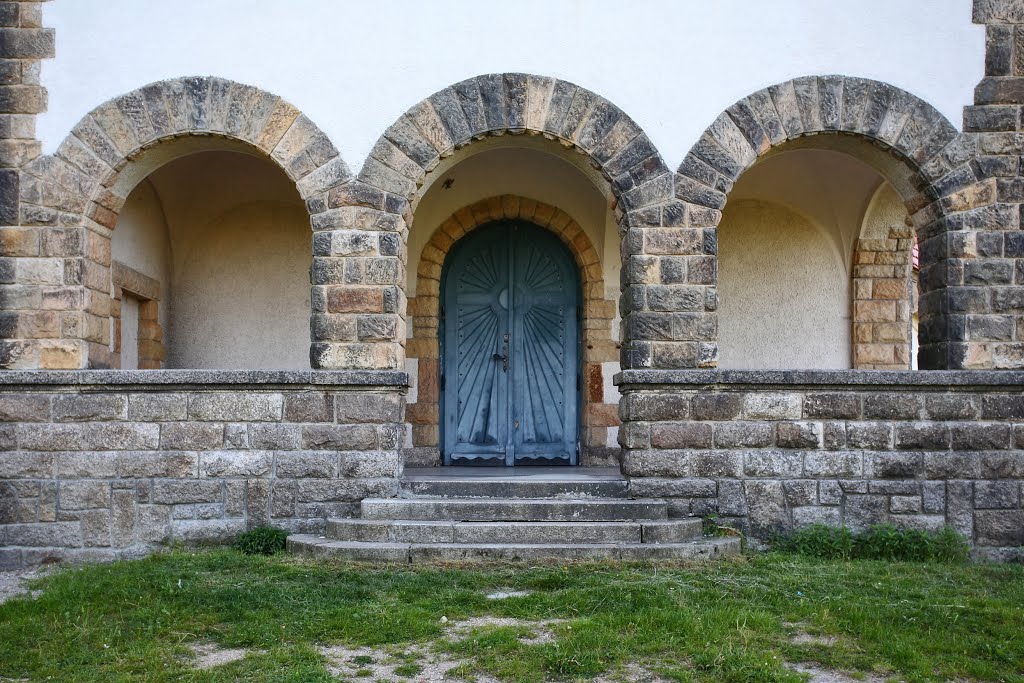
(106,464)
(770,450)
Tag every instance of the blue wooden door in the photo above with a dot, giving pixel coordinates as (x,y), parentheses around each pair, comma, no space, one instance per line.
(510,343)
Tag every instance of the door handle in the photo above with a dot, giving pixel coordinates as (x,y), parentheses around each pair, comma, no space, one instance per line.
(503,356)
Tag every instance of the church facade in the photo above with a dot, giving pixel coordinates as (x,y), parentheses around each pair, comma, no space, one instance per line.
(212,322)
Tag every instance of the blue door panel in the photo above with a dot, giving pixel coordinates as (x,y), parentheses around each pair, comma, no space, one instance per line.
(510,347)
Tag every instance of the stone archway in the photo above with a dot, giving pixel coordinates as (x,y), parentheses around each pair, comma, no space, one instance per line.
(389,185)
(82,188)
(920,152)
(599,412)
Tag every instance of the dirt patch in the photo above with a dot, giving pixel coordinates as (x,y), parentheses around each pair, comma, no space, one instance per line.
(631,673)
(401,665)
(209,655)
(822,675)
(506,594)
(421,664)
(808,639)
(542,631)
(15,583)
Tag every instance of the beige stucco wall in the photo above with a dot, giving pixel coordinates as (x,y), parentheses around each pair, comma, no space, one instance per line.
(785,252)
(885,212)
(783,291)
(236,242)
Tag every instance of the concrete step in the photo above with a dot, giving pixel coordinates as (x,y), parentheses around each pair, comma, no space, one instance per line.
(441,531)
(319,546)
(514,509)
(514,487)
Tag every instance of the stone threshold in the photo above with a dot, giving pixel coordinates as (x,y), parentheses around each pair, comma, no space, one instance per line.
(541,473)
(838,378)
(208,378)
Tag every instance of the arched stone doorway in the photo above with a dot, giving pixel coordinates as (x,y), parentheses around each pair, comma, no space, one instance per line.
(510,373)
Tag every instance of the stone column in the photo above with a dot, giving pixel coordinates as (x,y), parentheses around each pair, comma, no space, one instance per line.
(32,274)
(359,246)
(984,271)
(669,271)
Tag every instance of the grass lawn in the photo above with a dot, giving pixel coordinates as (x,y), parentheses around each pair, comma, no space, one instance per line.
(739,620)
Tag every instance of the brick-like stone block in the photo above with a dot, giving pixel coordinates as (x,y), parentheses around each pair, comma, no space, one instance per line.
(347,437)
(89,407)
(717,406)
(767,406)
(311,406)
(217,464)
(24,408)
(798,435)
(743,435)
(893,406)
(278,437)
(181,491)
(84,495)
(997,495)
(832,406)
(191,436)
(368,408)
(681,435)
(833,464)
(250,407)
(767,463)
(306,465)
(1003,528)
(157,407)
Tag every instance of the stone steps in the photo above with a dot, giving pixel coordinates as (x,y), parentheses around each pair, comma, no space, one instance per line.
(497,514)
(446,531)
(321,547)
(514,509)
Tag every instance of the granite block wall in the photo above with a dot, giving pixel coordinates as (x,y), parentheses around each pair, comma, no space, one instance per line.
(767,451)
(101,465)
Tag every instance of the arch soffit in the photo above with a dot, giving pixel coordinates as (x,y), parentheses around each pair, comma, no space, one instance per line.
(509,103)
(114,146)
(896,121)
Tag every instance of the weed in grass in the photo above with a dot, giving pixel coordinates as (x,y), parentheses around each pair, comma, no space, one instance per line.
(408,670)
(879,542)
(262,540)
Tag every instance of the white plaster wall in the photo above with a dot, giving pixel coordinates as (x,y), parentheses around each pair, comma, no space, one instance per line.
(783,291)
(354,67)
(237,252)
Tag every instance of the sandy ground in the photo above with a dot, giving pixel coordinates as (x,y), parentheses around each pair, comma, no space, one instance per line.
(13,583)
(208,655)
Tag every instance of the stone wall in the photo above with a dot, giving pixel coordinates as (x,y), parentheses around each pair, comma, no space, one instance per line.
(769,450)
(99,465)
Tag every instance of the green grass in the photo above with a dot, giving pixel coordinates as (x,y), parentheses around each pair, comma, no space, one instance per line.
(727,621)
